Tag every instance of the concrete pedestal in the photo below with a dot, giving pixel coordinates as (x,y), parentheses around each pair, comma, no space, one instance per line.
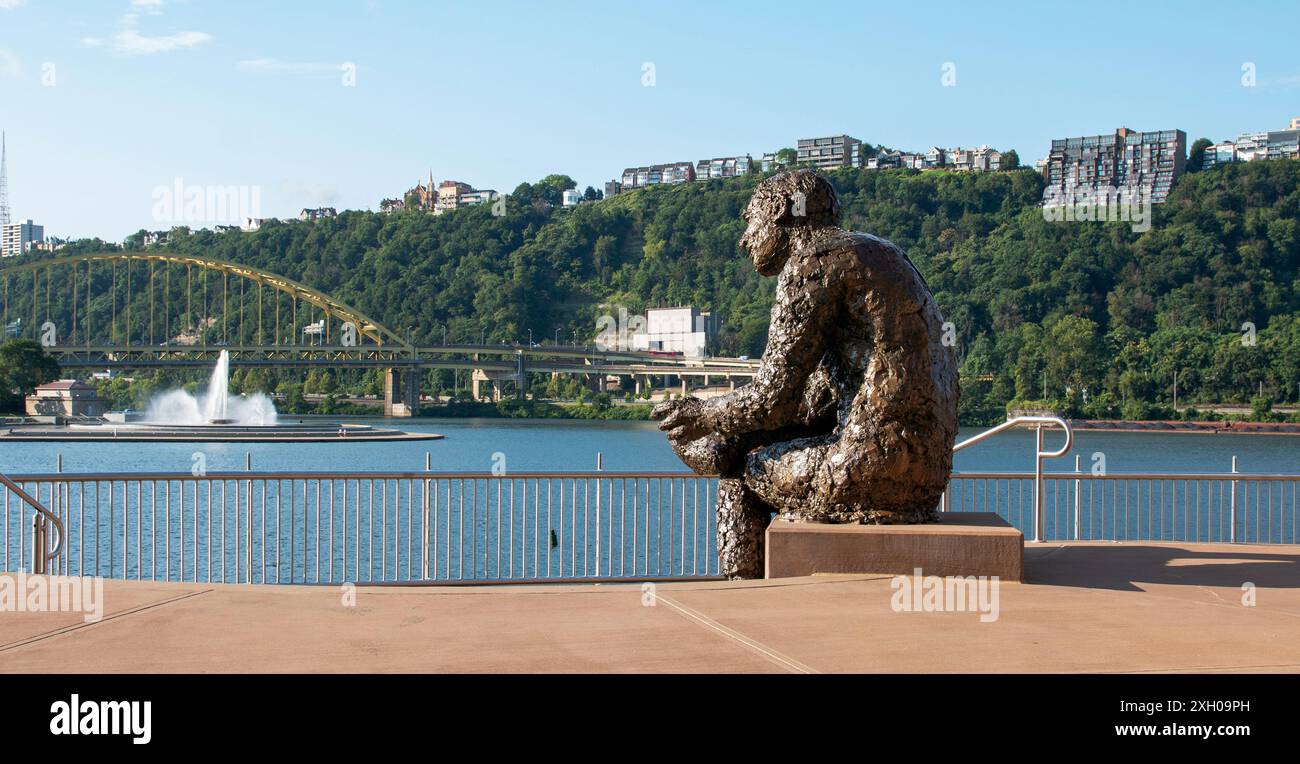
(959,544)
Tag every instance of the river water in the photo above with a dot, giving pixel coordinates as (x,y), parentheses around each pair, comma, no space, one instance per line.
(500,526)
(479,445)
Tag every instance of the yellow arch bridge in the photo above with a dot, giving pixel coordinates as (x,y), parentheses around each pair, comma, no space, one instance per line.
(137,309)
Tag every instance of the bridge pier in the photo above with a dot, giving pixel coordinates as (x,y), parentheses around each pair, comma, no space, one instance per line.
(401,393)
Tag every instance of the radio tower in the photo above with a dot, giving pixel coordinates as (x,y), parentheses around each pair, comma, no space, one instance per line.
(4,185)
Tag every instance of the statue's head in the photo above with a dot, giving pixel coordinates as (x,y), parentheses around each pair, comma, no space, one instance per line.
(786,204)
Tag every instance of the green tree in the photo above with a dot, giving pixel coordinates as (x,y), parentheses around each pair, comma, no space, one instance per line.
(24,364)
(1196,154)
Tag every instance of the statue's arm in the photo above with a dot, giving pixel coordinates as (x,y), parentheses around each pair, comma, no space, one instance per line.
(802,318)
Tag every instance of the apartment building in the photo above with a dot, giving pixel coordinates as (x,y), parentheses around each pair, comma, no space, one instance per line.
(19,238)
(723,167)
(656,174)
(318,213)
(1273,144)
(830,152)
(1145,162)
(981,159)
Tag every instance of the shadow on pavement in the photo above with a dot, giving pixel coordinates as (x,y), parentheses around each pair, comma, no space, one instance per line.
(1124,567)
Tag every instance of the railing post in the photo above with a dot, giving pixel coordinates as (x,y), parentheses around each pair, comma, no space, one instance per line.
(38,544)
(1232,518)
(248,519)
(600,466)
(1077,485)
(424,527)
(1038,484)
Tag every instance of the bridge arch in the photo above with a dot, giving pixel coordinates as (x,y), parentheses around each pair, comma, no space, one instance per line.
(336,309)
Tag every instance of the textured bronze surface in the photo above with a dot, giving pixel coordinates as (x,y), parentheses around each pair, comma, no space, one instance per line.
(852,415)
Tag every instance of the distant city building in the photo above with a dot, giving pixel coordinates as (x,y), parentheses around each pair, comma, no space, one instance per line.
(613,188)
(981,159)
(317,214)
(478,196)
(449,193)
(19,238)
(453,194)
(682,330)
(1143,162)
(832,151)
(1295,123)
(572,197)
(656,174)
(724,167)
(252,224)
(220,229)
(66,397)
(767,163)
(1275,144)
(444,197)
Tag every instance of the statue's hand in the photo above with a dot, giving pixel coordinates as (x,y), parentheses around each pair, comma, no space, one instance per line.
(682,419)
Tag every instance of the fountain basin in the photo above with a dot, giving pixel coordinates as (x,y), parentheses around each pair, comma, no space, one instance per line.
(211,433)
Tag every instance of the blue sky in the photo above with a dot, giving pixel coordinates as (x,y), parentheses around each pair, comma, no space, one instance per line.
(105,101)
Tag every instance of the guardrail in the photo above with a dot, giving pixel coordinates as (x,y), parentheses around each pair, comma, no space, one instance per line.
(305,527)
(1186,507)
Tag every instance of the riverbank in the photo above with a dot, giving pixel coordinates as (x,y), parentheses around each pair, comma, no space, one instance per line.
(1176,426)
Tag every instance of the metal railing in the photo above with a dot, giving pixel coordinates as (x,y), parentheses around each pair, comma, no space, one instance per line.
(1184,507)
(305,527)
(42,519)
(312,527)
(1038,422)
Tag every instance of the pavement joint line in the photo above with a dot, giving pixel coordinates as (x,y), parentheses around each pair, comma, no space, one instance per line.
(105,619)
(1187,669)
(789,664)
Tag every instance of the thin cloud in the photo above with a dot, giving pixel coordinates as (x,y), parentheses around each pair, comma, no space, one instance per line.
(9,5)
(129,41)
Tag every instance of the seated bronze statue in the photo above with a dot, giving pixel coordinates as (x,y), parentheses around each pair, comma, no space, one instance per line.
(852,414)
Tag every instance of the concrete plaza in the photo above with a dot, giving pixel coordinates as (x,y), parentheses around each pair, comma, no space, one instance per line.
(1084,607)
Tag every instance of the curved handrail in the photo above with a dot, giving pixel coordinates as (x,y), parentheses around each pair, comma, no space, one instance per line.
(35,504)
(1007,425)
(1039,456)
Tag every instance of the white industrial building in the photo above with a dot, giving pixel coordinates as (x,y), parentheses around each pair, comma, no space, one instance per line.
(682,330)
